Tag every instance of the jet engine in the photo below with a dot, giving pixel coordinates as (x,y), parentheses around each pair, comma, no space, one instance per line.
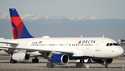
(59,58)
(20,56)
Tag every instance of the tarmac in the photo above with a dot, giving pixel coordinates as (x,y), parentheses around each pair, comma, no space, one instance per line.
(117,65)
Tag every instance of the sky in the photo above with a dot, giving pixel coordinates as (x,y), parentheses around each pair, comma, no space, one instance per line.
(100,9)
(68,17)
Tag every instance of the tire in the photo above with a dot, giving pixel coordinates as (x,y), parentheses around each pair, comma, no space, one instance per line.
(79,65)
(27,56)
(13,61)
(35,60)
(50,65)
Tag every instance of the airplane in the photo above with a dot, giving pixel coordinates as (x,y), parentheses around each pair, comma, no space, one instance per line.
(59,50)
(16,35)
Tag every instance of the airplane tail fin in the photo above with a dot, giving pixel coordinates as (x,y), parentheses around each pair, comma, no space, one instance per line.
(19,29)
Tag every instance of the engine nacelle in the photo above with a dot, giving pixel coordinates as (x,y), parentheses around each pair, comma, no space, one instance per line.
(20,56)
(59,58)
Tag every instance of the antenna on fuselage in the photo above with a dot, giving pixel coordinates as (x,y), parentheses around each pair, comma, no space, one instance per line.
(103,35)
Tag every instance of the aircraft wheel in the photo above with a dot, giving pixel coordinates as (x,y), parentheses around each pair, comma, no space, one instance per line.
(13,61)
(35,60)
(50,65)
(79,65)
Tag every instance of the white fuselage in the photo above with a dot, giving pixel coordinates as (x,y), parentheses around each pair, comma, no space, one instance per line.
(93,47)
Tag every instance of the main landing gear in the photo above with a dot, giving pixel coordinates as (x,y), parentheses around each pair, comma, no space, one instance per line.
(82,62)
(13,61)
(35,60)
(50,65)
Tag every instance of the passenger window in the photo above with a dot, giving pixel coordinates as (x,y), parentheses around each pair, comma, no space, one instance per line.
(116,44)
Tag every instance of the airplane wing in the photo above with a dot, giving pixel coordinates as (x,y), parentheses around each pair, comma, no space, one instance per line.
(30,49)
(7,45)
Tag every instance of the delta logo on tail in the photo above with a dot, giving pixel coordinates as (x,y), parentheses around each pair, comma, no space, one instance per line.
(19,29)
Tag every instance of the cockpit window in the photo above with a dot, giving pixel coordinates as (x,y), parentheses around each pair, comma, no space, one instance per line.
(116,44)
(112,44)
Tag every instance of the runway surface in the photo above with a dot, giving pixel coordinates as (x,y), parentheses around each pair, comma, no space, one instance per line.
(117,65)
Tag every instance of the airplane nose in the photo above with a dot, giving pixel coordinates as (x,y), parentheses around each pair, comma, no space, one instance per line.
(120,51)
(117,51)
